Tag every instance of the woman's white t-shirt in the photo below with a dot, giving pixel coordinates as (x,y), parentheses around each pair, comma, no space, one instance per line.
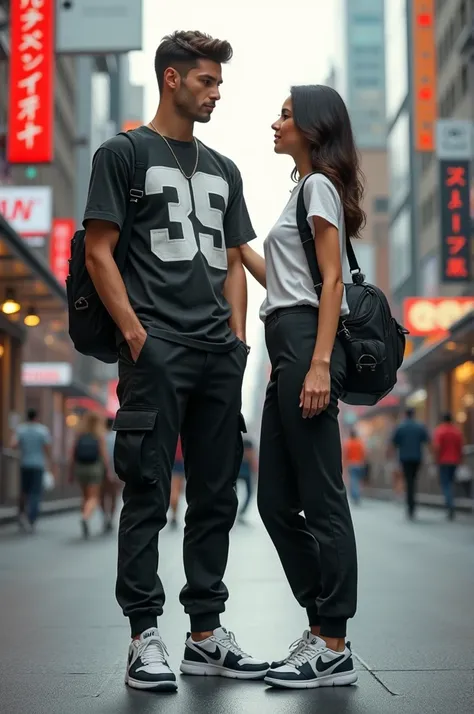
(289,281)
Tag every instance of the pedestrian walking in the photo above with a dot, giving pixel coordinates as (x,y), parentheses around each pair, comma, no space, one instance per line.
(180,310)
(355,460)
(246,475)
(448,442)
(33,440)
(408,440)
(177,483)
(89,465)
(111,485)
(300,460)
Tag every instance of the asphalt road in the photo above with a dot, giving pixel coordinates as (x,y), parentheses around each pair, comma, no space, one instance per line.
(63,641)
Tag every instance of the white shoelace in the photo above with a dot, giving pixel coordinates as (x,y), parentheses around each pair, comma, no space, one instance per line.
(301,655)
(295,647)
(231,643)
(152,651)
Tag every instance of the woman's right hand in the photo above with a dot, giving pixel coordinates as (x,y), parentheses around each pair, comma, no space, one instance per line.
(255,263)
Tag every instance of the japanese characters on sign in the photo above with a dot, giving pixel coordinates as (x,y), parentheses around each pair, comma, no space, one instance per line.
(455,222)
(60,247)
(31,113)
(424,74)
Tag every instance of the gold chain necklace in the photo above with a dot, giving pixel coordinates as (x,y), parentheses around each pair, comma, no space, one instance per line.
(174,155)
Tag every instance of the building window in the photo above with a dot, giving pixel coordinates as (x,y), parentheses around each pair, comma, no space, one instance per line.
(400,249)
(399,161)
(381,204)
(367,81)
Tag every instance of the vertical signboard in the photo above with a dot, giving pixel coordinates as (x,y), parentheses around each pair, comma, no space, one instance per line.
(455,221)
(31,91)
(424,74)
(60,247)
(454,151)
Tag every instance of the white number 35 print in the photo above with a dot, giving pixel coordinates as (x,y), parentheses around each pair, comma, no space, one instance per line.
(184,246)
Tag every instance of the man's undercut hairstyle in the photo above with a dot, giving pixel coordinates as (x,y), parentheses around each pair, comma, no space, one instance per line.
(183,49)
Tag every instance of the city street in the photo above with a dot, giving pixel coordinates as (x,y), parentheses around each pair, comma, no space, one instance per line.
(64,641)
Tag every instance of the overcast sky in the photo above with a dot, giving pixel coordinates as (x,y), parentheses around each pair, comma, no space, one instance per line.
(276,44)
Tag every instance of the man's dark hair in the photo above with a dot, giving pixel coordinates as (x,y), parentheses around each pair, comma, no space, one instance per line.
(31,414)
(447,418)
(410,413)
(184,48)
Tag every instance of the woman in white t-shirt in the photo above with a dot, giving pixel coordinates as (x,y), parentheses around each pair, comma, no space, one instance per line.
(300,450)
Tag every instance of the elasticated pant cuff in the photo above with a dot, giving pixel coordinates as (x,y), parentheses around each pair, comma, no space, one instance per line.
(205,623)
(313,616)
(333,627)
(142,623)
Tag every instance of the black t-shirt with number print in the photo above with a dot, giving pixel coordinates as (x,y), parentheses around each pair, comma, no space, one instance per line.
(177,260)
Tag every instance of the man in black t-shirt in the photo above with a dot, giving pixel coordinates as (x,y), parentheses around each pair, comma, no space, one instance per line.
(180,312)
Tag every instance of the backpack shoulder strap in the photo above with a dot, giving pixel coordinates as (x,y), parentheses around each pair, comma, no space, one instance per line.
(307,240)
(136,193)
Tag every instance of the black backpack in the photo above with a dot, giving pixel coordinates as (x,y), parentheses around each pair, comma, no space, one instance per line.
(87,449)
(91,328)
(373,340)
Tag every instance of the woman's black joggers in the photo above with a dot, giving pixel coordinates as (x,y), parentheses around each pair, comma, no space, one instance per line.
(301,470)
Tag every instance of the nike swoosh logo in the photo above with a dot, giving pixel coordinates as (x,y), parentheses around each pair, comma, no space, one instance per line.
(213,655)
(323,666)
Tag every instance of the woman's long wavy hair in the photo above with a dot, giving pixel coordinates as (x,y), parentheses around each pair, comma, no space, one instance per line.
(321,115)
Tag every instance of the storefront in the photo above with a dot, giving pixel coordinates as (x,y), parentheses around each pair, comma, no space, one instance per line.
(38,365)
(442,377)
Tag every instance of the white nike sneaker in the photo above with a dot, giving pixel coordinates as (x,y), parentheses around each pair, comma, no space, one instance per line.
(147,667)
(312,664)
(220,656)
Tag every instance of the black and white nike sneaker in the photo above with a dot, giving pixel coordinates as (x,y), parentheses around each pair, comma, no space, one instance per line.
(311,664)
(147,666)
(220,656)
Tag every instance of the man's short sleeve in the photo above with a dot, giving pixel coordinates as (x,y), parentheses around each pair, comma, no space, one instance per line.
(46,436)
(321,199)
(238,228)
(109,186)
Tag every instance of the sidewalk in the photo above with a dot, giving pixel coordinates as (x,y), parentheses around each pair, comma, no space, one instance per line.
(64,640)
(8,514)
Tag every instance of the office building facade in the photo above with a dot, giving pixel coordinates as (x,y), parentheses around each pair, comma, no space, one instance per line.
(365,72)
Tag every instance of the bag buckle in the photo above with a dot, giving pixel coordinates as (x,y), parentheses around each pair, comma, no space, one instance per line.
(344,330)
(135,195)
(81,304)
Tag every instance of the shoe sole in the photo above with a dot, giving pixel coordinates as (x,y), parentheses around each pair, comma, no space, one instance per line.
(336,680)
(214,670)
(166,686)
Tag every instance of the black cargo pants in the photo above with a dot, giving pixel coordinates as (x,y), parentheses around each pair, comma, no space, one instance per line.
(174,389)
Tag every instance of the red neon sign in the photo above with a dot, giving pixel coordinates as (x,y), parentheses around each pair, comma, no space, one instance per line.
(31,93)
(60,247)
(455,222)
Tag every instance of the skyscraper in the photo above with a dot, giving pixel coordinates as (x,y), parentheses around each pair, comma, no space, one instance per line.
(365,71)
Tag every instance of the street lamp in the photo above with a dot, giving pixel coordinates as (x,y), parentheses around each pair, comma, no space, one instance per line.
(32,319)
(10,306)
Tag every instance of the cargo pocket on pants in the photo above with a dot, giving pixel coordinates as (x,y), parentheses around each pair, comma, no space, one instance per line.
(136,448)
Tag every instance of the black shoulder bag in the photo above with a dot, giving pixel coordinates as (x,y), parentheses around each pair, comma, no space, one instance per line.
(373,340)
(91,328)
